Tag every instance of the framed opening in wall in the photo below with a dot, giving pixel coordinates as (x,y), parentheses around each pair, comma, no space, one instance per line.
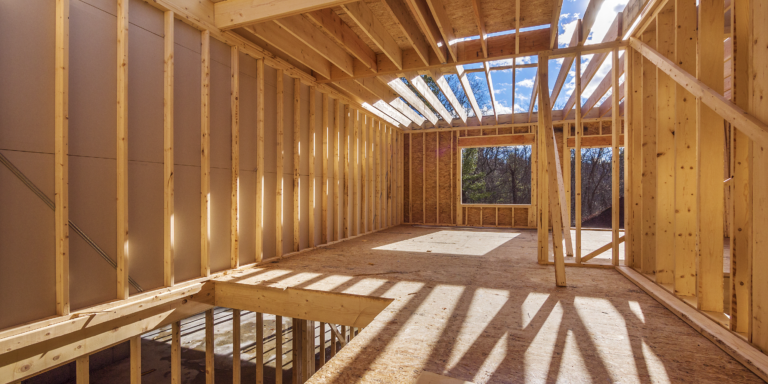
(498,175)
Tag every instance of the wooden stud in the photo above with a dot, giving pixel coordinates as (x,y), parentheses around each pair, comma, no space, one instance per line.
(312,154)
(458,181)
(235,159)
(743,152)
(205,153)
(176,352)
(437,177)
(279,163)
(372,172)
(710,161)
(236,369)
(82,370)
(353,174)
(122,151)
(322,346)
(278,349)
(637,158)
(168,228)
(296,346)
(259,348)
(61,156)
(296,160)
(364,121)
(567,174)
(629,154)
(325,181)
(579,132)
(345,145)
(615,175)
(135,356)
(259,160)
(648,154)
(665,150)
(209,348)
(336,153)
(333,340)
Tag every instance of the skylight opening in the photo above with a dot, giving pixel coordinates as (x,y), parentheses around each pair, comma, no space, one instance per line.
(480,89)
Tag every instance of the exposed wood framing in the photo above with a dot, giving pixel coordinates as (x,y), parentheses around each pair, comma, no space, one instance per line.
(336,193)
(176,352)
(372,27)
(205,153)
(488,80)
(440,14)
(399,86)
(280,154)
(259,160)
(312,153)
(648,156)
(481,26)
(325,155)
(464,80)
(345,152)
(278,36)
(234,255)
(331,23)
(314,38)
(402,16)
(236,13)
(122,151)
(429,28)
(168,249)
(421,86)
(665,152)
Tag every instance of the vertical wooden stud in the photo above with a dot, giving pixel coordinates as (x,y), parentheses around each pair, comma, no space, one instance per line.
(279,173)
(168,228)
(325,155)
(629,153)
(578,132)
(567,174)
(322,346)
(209,348)
(648,153)
(259,160)
(135,359)
(312,153)
(236,369)
(61,154)
(615,158)
(278,349)
(372,173)
(176,352)
(354,225)
(345,145)
(122,151)
(636,140)
(82,370)
(259,348)
(365,120)
(296,160)
(205,153)
(437,176)
(336,159)
(234,256)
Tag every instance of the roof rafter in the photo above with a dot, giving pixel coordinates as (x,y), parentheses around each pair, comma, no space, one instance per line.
(238,13)
(402,16)
(428,26)
(331,23)
(444,25)
(565,68)
(601,89)
(488,79)
(372,27)
(464,80)
(534,93)
(555,23)
(442,83)
(314,38)
(421,86)
(401,89)
(480,27)
(607,104)
(363,97)
(291,46)
(385,93)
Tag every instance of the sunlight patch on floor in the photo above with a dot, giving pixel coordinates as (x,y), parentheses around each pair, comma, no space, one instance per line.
(469,243)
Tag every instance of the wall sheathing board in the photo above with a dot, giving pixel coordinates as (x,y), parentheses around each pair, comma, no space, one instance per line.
(221,156)
(430,179)
(92,152)
(473,216)
(186,154)
(507,217)
(418,178)
(489,217)
(445,196)
(406,178)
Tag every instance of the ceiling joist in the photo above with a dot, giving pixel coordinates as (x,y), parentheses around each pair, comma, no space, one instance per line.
(372,27)
(331,23)
(276,35)
(464,80)
(442,83)
(488,79)
(401,89)
(402,16)
(238,13)
(428,26)
(444,25)
(421,86)
(385,93)
(313,37)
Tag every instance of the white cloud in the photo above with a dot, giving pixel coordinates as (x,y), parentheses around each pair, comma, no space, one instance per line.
(604,19)
(527,83)
(498,91)
(502,109)
(565,38)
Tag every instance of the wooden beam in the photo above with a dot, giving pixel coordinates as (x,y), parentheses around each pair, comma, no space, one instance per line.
(296,160)
(168,248)
(489,81)
(480,26)
(600,250)
(578,133)
(629,154)
(331,23)
(234,255)
(648,156)
(123,259)
(464,80)
(312,153)
(565,67)
(665,150)
(328,307)
(595,141)
(363,156)
(375,30)
(336,219)
(602,89)
(259,160)
(405,20)
(209,348)
(607,105)
(176,352)
(61,155)
(353,172)
(388,96)
(205,153)
(314,38)
(83,370)
(421,86)
(552,171)
(710,161)
(237,13)
(259,348)
(345,146)
(280,154)
(636,142)
(534,93)
(280,38)
(442,83)
(615,175)
(401,89)
(278,349)
(236,366)
(135,356)
(555,22)
(420,10)
(496,140)
(443,21)
(326,133)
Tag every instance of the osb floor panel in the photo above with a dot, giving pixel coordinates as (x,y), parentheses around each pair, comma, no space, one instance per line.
(474,305)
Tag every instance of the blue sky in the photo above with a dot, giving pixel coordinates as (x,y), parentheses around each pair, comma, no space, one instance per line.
(524,78)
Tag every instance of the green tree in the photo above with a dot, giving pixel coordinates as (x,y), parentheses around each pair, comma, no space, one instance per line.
(472,180)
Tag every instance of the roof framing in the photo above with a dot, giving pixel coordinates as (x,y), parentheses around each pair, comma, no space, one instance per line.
(372,27)
(238,13)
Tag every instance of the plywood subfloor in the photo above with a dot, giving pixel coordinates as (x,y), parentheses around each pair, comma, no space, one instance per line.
(486,312)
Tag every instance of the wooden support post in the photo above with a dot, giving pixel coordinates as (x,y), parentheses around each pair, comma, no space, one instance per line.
(296,160)
(437,177)
(279,164)
(579,132)
(345,164)
(710,159)
(333,339)
(363,173)
(278,350)
(122,151)
(259,160)
(615,175)
(377,196)
(336,153)
(312,153)
(665,150)
(636,94)
(296,346)
(168,269)
(567,175)
(759,107)
(743,151)
(629,153)
(236,369)
(209,348)
(135,346)
(61,156)
(176,352)
(459,158)
(322,346)
(372,173)
(259,348)
(325,155)
(235,181)
(388,173)
(354,225)
(648,153)
(205,153)
(83,370)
